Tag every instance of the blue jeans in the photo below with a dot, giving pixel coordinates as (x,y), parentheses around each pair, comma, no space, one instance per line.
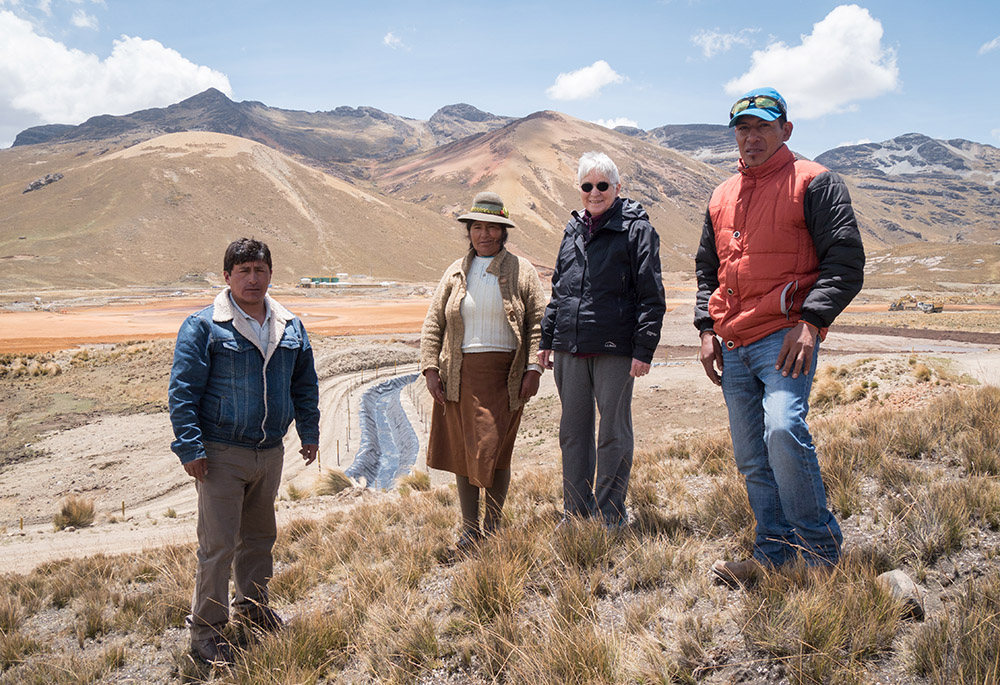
(775,454)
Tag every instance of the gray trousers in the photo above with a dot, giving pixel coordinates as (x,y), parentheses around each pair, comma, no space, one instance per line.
(584,382)
(236,532)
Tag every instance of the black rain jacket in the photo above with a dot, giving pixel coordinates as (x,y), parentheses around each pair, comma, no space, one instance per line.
(607,293)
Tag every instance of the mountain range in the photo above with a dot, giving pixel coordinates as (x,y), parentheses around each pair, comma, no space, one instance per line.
(152,197)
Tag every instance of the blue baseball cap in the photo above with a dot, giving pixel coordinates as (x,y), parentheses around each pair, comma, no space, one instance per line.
(765,103)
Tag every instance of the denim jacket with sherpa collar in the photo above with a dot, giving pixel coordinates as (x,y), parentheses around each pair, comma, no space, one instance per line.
(223,388)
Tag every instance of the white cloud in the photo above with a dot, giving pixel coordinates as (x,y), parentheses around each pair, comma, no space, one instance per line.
(840,62)
(43,81)
(44,5)
(614,123)
(83,20)
(713,42)
(393,41)
(848,143)
(996,133)
(584,83)
(990,47)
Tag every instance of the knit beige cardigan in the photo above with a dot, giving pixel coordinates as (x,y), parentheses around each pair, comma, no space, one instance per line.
(523,304)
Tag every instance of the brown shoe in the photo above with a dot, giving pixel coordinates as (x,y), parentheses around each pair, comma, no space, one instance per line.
(213,650)
(736,573)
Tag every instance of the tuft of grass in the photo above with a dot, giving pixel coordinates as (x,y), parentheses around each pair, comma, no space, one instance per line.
(922,373)
(694,639)
(897,476)
(158,595)
(488,587)
(575,653)
(294,493)
(934,524)
(332,481)
(713,453)
(575,596)
(583,543)
(657,563)
(399,640)
(292,583)
(725,510)
(641,613)
(842,470)
(496,644)
(71,670)
(827,391)
(824,625)
(962,646)
(419,481)
(12,613)
(92,615)
(16,648)
(76,512)
(304,652)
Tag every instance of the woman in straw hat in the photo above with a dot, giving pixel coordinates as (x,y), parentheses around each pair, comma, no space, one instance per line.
(477,349)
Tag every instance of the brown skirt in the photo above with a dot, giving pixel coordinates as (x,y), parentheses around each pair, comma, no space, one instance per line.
(475,436)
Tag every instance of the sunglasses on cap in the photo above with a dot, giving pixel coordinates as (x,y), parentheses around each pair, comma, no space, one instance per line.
(757,102)
(601,186)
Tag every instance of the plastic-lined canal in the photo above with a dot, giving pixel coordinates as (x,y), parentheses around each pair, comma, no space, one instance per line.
(389,444)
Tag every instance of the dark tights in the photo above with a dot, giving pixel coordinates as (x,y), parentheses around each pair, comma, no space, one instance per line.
(468,499)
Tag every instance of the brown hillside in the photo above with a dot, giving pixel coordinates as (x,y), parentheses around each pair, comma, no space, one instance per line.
(532,164)
(161,213)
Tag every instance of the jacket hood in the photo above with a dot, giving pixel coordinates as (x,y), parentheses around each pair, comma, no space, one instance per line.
(632,210)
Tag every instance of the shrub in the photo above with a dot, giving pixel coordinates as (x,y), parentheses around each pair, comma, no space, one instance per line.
(827,391)
(333,481)
(76,512)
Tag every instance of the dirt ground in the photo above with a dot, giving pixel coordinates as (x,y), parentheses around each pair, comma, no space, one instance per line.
(99,428)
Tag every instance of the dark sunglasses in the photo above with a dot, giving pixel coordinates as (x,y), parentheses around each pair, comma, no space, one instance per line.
(601,186)
(758,102)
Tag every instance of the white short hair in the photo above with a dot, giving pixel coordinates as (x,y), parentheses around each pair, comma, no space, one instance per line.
(591,161)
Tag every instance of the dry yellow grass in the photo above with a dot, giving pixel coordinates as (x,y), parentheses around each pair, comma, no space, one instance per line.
(374,594)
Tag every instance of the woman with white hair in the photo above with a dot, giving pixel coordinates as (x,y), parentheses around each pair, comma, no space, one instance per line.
(599,333)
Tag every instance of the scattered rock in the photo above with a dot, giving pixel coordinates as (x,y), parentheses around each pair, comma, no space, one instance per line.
(902,587)
(42,182)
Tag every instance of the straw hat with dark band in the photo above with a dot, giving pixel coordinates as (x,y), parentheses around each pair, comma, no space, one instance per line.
(488,207)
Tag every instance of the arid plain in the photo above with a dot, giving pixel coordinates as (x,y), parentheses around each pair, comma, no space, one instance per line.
(98,429)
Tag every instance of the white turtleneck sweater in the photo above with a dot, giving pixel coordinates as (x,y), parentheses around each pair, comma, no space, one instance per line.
(486,327)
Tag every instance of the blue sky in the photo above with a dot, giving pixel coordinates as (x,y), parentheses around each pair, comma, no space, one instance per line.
(850,72)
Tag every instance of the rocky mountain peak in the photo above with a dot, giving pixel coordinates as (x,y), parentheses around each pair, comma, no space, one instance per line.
(462,111)
(914,153)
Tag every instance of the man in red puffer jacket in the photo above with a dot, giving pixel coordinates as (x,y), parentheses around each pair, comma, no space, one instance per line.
(780,257)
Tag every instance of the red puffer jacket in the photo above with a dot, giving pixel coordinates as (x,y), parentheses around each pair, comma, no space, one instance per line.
(783,243)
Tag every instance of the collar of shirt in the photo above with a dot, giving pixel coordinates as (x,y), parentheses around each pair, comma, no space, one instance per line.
(262,329)
(592,224)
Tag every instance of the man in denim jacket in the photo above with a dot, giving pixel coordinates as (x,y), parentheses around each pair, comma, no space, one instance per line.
(243,369)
